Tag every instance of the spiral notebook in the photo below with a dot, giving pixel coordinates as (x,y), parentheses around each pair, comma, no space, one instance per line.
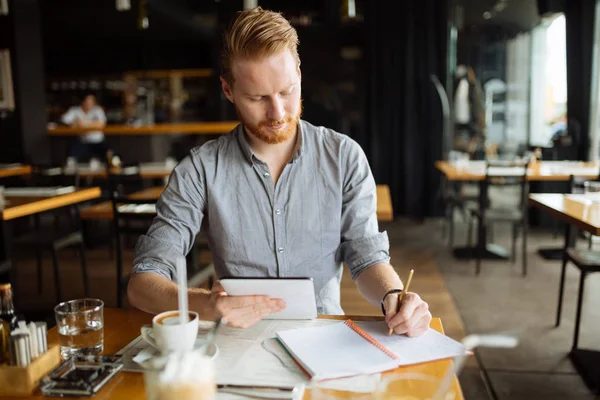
(352,348)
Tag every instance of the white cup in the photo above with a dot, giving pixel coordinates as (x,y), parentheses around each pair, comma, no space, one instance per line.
(71,162)
(168,335)
(94,164)
(170,162)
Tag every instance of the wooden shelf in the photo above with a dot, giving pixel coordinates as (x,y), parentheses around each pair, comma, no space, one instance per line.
(168,73)
(194,128)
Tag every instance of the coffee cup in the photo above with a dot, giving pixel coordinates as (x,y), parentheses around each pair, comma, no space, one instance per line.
(168,334)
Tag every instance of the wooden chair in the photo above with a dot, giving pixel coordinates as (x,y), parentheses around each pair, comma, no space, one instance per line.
(126,180)
(53,240)
(487,215)
(588,262)
(130,218)
(454,199)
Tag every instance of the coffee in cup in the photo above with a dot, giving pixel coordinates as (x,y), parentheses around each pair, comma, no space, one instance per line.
(168,334)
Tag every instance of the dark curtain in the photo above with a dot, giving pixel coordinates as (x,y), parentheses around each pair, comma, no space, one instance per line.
(579,15)
(406,44)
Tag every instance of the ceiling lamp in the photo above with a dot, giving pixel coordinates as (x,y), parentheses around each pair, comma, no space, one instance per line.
(250,4)
(123,5)
(3,7)
(143,21)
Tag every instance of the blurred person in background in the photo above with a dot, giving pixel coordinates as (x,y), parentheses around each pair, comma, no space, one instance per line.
(469,112)
(88,115)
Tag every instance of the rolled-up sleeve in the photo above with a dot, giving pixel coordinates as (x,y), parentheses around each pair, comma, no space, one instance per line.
(362,245)
(180,211)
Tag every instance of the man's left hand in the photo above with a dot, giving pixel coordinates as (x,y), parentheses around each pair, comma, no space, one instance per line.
(412,319)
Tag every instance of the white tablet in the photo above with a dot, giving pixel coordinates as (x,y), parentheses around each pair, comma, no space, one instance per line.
(298,294)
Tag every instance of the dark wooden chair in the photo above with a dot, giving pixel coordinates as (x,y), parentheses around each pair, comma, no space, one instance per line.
(486,214)
(130,218)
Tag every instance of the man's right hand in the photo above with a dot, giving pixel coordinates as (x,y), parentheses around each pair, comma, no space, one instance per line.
(242,311)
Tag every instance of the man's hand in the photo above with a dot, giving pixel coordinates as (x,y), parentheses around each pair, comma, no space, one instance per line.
(242,311)
(412,319)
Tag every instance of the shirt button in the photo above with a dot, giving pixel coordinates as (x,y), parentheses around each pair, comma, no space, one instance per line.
(280,249)
(278,211)
(266,174)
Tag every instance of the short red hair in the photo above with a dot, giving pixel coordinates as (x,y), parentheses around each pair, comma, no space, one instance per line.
(254,34)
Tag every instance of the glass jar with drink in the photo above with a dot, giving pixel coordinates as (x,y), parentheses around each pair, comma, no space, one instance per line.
(80,325)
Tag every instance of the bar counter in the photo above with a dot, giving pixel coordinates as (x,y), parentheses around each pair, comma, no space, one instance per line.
(192,128)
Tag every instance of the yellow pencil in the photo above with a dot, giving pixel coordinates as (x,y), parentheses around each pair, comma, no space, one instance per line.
(410,275)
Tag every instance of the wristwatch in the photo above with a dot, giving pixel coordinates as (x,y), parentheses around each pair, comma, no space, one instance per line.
(393,291)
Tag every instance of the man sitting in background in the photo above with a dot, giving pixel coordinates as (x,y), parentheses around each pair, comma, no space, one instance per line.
(90,116)
(278,196)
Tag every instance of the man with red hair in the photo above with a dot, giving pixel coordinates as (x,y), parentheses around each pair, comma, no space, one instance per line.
(278,197)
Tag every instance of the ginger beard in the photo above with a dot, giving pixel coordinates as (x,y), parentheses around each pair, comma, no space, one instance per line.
(271,136)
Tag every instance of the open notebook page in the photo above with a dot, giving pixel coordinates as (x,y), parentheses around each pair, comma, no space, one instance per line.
(430,346)
(335,351)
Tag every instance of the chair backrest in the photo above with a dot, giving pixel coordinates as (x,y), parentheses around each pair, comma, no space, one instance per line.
(576,183)
(124,180)
(128,218)
(128,213)
(53,175)
(508,173)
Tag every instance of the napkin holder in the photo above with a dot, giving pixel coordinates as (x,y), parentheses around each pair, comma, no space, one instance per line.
(23,381)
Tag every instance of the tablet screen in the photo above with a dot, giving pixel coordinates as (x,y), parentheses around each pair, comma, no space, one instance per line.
(298,294)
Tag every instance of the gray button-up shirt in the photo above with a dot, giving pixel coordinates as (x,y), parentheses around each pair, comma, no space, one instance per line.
(320,214)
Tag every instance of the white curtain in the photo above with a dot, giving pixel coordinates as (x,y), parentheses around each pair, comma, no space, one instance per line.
(518,62)
(595,94)
(537,123)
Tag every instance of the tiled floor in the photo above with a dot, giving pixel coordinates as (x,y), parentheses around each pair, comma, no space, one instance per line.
(501,300)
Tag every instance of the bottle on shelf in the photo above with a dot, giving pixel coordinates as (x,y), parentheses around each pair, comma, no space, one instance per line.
(7,307)
(109,158)
(538,154)
(4,342)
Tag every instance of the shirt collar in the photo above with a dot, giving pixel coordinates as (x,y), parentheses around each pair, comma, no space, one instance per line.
(245,145)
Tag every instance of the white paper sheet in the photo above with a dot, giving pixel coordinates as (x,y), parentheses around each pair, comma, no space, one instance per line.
(430,346)
(243,359)
(335,351)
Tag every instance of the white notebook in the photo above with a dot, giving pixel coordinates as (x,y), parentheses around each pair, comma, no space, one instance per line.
(352,348)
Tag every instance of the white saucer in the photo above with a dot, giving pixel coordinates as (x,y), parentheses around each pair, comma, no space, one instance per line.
(212,352)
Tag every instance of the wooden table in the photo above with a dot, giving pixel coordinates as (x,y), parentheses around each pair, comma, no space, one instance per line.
(579,211)
(104,211)
(567,208)
(538,171)
(385,211)
(21,206)
(146,171)
(121,326)
(14,170)
(192,128)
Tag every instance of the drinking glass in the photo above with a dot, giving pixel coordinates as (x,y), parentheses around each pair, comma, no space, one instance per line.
(80,325)
(591,187)
(180,376)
